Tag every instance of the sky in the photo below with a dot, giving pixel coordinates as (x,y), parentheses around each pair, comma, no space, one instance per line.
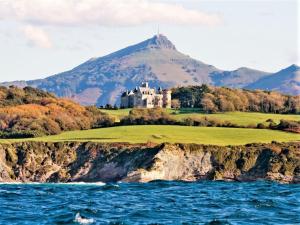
(39,38)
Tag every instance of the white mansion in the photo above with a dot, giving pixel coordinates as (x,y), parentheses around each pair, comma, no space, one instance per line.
(146,97)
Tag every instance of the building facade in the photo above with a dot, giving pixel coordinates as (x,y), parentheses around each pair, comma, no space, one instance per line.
(146,97)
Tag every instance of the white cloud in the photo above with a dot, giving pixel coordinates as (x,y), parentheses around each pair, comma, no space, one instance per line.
(37,36)
(102,12)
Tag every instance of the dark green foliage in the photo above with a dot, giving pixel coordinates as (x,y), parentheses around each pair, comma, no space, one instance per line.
(190,97)
(20,134)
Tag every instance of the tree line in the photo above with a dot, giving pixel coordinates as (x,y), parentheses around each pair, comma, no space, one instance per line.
(222,99)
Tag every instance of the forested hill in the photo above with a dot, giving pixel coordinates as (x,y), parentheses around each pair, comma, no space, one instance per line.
(29,112)
(221,99)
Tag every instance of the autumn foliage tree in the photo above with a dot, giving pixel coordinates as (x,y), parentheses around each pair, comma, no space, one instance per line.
(222,99)
(30,112)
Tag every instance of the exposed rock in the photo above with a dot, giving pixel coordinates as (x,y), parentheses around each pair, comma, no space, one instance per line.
(90,162)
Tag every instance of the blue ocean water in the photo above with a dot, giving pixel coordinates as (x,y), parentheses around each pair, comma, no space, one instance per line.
(158,202)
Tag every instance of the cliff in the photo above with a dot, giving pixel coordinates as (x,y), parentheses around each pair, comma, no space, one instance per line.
(90,162)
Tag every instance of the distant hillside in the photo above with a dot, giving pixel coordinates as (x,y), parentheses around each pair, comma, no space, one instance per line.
(101,80)
(286,81)
(238,78)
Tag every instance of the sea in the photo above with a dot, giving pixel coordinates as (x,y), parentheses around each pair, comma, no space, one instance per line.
(159,202)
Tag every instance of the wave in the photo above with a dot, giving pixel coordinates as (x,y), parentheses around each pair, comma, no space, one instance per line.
(39,183)
(81,220)
(84,183)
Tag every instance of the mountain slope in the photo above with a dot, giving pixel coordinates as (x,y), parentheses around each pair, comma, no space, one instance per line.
(237,78)
(286,81)
(156,60)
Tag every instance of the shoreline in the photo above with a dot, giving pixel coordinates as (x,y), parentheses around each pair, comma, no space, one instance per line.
(115,162)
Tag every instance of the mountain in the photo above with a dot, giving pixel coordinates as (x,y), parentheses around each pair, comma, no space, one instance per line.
(156,60)
(285,81)
(238,78)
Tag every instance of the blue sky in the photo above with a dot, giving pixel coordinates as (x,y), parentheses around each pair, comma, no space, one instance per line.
(39,38)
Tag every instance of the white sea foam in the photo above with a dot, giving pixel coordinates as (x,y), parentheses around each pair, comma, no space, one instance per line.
(1,183)
(81,220)
(18,182)
(69,183)
(86,183)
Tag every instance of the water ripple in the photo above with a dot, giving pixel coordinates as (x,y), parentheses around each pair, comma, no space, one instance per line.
(159,202)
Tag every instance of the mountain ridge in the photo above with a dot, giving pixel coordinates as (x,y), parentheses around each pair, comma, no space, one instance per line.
(156,60)
(285,80)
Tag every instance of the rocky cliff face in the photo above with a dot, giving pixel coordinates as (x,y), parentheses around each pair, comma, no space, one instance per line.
(90,162)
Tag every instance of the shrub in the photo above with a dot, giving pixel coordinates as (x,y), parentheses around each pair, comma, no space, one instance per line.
(147,117)
(206,122)
(289,125)
(20,134)
(261,126)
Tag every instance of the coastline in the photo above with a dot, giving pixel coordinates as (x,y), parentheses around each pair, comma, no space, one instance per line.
(46,162)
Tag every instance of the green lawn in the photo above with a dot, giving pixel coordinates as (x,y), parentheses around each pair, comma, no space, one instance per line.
(239,118)
(172,134)
(118,114)
(242,118)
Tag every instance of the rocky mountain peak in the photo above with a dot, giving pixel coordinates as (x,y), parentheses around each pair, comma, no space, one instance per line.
(160,41)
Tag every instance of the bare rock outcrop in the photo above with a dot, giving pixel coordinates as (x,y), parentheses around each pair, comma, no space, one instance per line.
(92,162)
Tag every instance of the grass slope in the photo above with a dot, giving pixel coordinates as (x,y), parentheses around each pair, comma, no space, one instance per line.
(172,134)
(239,118)
(242,118)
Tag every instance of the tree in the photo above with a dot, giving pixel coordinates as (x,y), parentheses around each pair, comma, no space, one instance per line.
(31,112)
(208,105)
(175,104)
(108,106)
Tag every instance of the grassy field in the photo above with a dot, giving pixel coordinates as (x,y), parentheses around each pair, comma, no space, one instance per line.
(239,118)
(172,134)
